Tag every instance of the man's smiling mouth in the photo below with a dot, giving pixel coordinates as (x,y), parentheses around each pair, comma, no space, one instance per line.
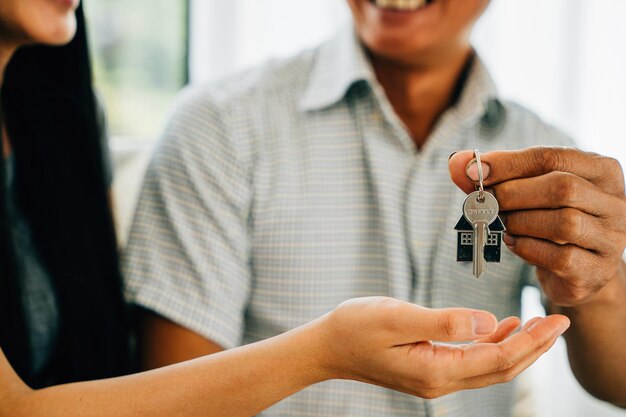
(402,5)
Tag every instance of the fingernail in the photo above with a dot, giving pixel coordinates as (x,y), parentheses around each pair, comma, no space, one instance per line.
(451,155)
(483,323)
(509,240)
(472,171)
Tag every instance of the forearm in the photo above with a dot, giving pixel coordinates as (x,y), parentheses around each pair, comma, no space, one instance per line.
(596,341)
(239,382)
(377,340)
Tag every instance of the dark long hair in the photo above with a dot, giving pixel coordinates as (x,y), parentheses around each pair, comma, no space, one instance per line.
(50,115)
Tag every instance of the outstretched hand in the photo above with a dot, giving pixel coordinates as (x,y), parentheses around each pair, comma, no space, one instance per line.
(402,346)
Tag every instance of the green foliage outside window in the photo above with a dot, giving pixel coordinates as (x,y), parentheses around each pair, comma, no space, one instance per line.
(139,58)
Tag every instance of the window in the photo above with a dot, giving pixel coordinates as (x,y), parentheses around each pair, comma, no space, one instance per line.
(139,58)
(492,239)
(467,239)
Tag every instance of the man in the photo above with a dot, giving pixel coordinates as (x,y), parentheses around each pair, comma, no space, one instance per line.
(276,196)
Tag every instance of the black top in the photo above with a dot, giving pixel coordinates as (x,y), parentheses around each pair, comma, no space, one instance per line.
(61,191)
(38,296)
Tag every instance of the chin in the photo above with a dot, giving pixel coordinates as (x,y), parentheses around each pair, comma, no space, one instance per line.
(415,30)
(400,47)
(46,22)
(54,33)
(401,34)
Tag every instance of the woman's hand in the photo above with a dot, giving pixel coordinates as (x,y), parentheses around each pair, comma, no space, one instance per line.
(376,340)
(391,343)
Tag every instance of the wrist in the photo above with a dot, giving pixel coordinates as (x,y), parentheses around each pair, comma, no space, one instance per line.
(318,356)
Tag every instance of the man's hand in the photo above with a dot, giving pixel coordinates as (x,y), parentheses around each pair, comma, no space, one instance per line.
(390,343)
(565,212)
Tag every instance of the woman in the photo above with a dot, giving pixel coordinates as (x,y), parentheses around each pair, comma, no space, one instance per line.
(62,316)
(56,228)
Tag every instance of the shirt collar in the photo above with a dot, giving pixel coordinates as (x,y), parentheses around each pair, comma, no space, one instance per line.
(342,62)
(479,97)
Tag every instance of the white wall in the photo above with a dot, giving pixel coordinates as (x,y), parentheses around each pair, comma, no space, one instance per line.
(566,60)
(235,34)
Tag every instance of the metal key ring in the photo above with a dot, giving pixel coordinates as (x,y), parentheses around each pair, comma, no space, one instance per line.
(480,187)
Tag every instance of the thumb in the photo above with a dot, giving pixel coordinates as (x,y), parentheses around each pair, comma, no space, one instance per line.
(448,324)
(463,172)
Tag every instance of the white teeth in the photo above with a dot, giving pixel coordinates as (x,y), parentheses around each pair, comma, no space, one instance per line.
(401,4)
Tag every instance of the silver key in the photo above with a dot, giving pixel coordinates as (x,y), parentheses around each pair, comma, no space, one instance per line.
(480,212)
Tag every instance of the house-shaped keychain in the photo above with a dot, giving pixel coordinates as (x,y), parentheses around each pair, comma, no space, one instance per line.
(465,241)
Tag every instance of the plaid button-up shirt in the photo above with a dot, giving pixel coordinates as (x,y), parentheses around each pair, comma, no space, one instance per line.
(281,192)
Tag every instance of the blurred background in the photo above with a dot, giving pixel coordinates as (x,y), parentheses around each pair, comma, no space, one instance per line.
(564,59)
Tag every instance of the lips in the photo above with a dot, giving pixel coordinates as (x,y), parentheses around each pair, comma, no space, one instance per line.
(402,5)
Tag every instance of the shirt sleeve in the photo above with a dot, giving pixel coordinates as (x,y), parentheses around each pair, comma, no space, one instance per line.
(188,253)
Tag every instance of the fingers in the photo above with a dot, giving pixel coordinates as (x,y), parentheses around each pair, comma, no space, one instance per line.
(445,368)
(564,226)
(564,208)
(450,324)
(414,364)
(572,263)
(505,328)
(408,323)
(486,358)
(502,166)
(554,191)
(507,375)
(569,275)
(458,165)
(571,291)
